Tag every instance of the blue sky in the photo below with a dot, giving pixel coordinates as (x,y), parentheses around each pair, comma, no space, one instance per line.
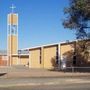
(40,22)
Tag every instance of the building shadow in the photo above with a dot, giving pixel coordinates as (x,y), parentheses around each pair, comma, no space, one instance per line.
(2,74)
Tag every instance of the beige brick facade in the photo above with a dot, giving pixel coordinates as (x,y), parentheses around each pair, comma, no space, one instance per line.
(49,54)
(12,45)
(24,60)
(35,58)
(12,19)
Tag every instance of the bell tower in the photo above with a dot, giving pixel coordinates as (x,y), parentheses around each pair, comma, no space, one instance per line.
(12,35)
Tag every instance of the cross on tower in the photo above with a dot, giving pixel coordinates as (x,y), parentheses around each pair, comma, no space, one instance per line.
(12,8)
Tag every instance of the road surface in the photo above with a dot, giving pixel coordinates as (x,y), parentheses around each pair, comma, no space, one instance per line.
(45,83)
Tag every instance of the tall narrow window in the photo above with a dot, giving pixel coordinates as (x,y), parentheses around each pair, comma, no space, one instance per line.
(40,57)
(57,55)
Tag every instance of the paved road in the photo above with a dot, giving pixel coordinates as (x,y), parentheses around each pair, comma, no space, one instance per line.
(51,87)
(42,81)
(45,84)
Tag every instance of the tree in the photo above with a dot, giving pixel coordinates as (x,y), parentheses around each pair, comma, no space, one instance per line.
(78,18)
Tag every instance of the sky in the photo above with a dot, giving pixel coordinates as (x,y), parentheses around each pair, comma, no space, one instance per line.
(40,22)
